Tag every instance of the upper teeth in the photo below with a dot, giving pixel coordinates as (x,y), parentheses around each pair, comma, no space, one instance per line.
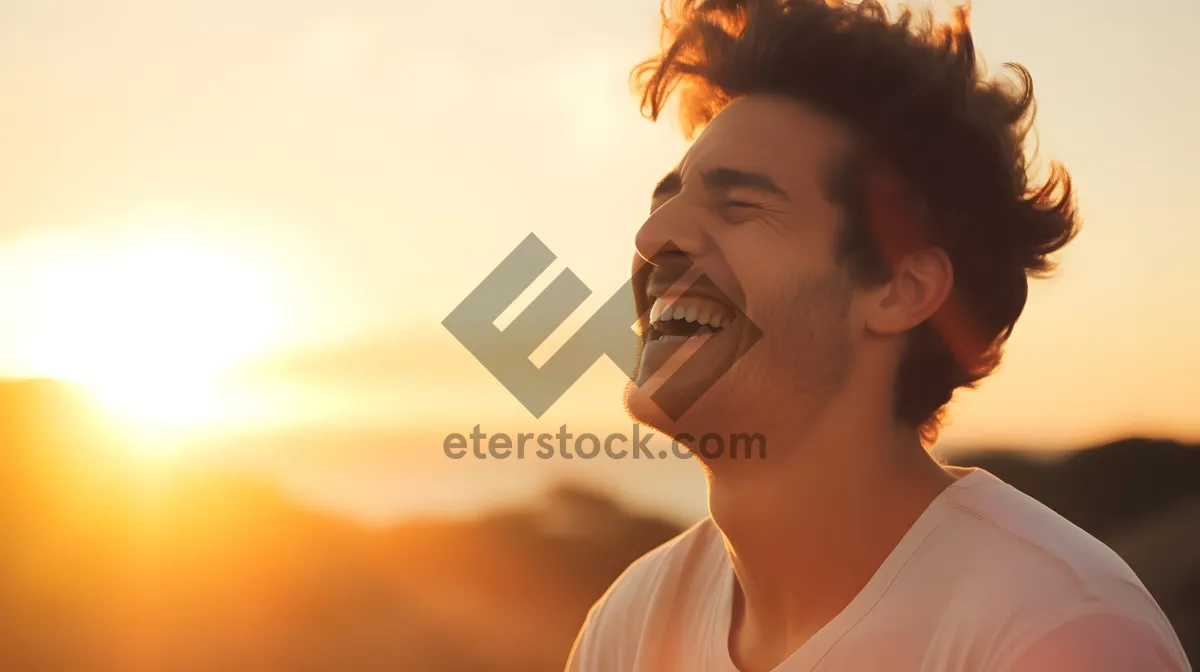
(700,311)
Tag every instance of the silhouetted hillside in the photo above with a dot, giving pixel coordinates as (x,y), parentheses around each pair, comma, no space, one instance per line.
(107,567)
(1106,488)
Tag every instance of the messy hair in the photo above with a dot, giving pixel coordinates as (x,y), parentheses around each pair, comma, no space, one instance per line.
(940,157)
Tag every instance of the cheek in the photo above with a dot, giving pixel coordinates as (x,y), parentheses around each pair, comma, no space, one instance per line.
(787,272)
(808,311)
(769,248)
(784,284)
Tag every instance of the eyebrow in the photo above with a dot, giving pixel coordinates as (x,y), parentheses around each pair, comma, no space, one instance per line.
(721,178)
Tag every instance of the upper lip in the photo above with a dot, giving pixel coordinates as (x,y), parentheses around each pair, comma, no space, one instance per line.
(701,288)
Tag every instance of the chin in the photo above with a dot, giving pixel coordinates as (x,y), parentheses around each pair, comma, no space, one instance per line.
(642,409)
(706,414)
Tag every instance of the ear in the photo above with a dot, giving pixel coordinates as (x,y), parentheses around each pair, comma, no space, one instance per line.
(920,284)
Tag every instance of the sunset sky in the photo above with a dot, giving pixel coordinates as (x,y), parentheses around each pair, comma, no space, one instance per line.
(253,216)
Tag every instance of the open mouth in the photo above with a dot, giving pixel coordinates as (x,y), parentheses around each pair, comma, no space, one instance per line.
(679,317)
(683,317)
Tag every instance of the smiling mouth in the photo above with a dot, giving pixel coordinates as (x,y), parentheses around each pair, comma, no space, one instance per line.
(679,317)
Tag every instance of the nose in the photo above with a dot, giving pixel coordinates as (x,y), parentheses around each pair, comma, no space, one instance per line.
(674,229)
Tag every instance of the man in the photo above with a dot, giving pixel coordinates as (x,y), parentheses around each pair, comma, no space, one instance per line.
(859,194)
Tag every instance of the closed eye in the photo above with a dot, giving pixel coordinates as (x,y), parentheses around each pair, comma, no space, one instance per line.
(742,205)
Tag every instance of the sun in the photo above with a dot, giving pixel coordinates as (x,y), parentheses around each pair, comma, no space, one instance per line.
(151,325)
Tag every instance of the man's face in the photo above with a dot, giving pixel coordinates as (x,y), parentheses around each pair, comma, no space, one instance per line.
(746,212)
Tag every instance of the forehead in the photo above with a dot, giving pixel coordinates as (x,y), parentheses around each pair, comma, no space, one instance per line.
(768,134)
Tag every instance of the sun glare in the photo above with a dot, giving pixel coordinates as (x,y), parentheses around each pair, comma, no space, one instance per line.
(150,325)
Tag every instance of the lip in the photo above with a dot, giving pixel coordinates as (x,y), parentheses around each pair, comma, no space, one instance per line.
(660,349)
(701,288)
(660,285)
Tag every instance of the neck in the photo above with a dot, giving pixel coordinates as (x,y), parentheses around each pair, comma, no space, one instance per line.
(808,526)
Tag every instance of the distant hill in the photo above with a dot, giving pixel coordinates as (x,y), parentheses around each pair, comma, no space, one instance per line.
(106,568)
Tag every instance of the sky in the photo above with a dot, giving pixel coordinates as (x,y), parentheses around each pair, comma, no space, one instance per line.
(253,216)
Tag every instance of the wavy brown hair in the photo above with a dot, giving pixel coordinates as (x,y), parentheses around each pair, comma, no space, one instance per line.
(940,158)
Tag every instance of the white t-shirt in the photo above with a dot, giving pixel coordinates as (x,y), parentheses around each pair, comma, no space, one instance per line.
(987,579)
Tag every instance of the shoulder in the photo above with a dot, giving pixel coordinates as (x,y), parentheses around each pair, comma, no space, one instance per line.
(1099,643)
(1043,578)
(1010,534)
(610,635)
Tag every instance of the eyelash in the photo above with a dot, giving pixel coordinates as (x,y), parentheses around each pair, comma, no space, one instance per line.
(740,204)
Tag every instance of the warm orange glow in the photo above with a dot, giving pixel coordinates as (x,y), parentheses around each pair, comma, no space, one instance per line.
(150,324)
